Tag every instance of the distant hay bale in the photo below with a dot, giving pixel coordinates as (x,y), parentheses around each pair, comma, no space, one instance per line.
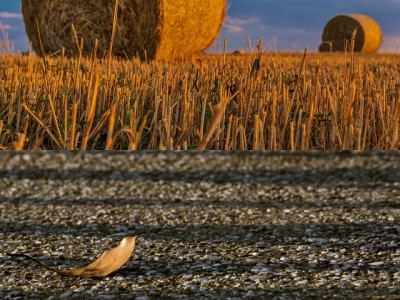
(325,47)
(340,28)
(156,29)
(239,52)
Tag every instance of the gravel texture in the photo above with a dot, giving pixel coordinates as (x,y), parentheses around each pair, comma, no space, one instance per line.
(211,225)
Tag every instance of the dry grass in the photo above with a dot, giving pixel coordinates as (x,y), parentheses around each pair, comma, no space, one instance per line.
(284,102)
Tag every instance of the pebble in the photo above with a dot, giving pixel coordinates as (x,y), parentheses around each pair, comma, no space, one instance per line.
(119,278)
(277,226)
(377,264)
(66,294)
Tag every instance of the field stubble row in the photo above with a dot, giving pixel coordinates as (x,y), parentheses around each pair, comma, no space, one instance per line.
(288,101)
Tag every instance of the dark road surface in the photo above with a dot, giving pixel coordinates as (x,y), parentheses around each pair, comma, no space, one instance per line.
(211,225)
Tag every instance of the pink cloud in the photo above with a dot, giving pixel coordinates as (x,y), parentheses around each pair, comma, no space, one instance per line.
(233,28)
(6,27)
(236,25)
(391,44)
(8,15)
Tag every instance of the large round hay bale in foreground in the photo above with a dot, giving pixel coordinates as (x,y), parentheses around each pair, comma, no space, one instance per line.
(156,29)
(341,28)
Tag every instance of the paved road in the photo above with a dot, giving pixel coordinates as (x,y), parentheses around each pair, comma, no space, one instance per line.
(212,225)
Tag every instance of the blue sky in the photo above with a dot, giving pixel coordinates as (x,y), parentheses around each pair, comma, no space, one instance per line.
(282,24)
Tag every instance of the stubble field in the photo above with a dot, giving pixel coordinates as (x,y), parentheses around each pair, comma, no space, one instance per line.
(287,101)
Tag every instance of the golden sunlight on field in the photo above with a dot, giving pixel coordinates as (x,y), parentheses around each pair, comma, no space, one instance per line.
(288,101)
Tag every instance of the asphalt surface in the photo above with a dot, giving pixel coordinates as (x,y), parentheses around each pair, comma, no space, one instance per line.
(212,225)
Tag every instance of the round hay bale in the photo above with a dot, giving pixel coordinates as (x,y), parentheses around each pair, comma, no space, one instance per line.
(156,29)
(325,47)
(239,52)
(340,28)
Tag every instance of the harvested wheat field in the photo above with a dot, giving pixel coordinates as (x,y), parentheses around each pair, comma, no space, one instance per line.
(221,102)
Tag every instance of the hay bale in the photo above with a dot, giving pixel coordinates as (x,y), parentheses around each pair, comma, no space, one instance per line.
(239,52)
(158,29)
(325,47)
(341,28)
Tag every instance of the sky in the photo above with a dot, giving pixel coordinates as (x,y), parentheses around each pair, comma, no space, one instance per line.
(284,25)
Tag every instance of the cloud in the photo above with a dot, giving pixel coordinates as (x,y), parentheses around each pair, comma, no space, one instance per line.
(232,28)
(8,15)
(391,43)
(6,27)
(242,21)
(237,25)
